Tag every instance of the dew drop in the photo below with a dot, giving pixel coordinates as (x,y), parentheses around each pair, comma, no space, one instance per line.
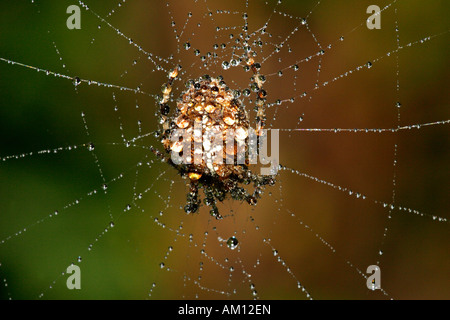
(225,65)
(232,243)
(76,81)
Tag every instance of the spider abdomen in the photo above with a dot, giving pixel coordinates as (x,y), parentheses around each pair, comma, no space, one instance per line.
(210,141)
(214,127)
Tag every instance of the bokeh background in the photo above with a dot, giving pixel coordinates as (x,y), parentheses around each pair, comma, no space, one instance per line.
(39,112)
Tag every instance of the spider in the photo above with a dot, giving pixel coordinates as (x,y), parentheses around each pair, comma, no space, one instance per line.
(205,114)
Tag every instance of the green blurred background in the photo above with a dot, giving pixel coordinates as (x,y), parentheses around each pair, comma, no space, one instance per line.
(39,112)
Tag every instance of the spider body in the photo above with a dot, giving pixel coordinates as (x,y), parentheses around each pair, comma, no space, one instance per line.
(214,142)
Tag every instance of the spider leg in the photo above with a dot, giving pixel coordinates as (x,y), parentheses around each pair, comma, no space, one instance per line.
(210,201)
(193,202)
(164,108)
(261,94)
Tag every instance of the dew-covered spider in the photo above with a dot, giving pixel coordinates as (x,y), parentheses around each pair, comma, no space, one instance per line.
(210,140)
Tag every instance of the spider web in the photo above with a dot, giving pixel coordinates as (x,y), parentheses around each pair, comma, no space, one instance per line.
(363,147)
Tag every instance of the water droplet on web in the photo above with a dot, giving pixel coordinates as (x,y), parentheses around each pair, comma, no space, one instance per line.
(76,81)
(232,243)
(91,147)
